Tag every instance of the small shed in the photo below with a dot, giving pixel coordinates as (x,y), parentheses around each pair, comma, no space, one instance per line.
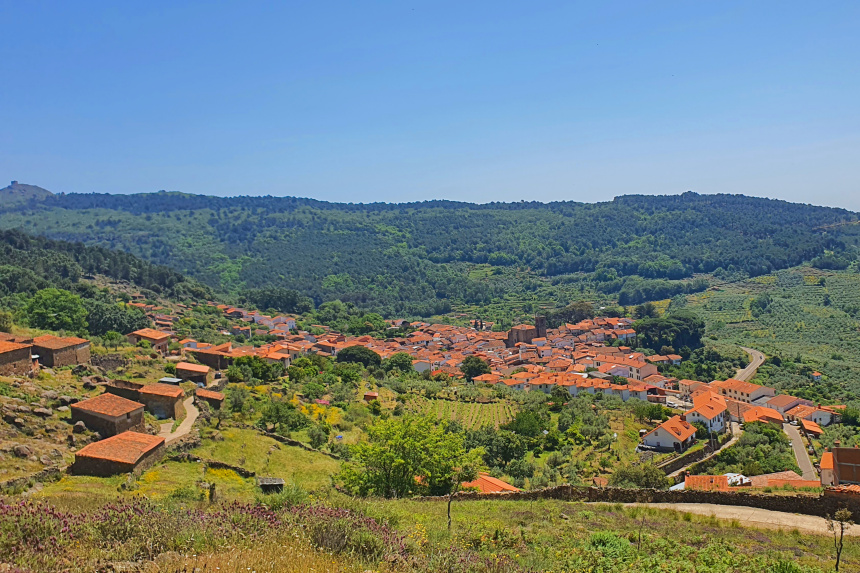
(214,399)
(170,380)
(197,373)
(371,396)
(270,484)
(162,400)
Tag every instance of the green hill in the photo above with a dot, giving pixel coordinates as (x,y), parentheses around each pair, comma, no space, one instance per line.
(422,258)
(20,192)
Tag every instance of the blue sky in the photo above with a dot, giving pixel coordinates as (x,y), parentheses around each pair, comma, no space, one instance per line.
(402,101)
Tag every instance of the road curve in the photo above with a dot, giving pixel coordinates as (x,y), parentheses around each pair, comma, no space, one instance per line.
(191,413)
(756,359)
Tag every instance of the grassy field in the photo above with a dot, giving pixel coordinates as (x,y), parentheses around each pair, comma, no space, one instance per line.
(471,415)
(548,535)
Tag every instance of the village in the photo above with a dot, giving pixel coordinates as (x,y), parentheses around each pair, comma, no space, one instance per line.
(594,356)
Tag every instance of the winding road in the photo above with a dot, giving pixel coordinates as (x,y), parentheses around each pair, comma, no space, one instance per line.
(757,359)
(191,413)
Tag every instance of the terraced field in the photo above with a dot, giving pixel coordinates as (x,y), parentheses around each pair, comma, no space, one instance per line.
(470,414)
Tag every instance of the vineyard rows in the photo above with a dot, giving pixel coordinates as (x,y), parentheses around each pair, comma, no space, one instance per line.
(471,415)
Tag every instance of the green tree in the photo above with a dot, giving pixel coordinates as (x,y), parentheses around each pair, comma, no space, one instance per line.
(317,435)
(313,390)
(399,361)
(407,456)
(56,309)
(112,339)
(473,366)
(283,416)
(5,321)
(236,398)
(103,317)
(645,475)
(360,355)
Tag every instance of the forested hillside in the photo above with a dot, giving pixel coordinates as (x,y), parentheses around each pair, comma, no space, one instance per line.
(419,258)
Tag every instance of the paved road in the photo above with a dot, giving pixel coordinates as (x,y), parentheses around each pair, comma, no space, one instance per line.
(191,413)
(800,453)
(752,517)
(757,359)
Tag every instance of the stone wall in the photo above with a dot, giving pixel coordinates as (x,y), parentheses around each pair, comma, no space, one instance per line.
(818,505)
(70,356)
(104,468)
(16,362)
(108,426)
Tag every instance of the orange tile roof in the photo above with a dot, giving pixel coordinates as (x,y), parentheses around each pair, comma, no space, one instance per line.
(108,404)
(159,389)
(678,428)
(127,447)
(56,343)
(209,394)
(706,483)
(762,414)
(781,400)
(189,367)
(12,346)
(826,461)
(488,484)
(811,427)
(151,334)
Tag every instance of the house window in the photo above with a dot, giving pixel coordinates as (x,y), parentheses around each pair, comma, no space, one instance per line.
(128,416)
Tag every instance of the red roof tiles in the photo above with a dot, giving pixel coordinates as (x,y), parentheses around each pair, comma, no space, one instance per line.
(127,447)
(108,405)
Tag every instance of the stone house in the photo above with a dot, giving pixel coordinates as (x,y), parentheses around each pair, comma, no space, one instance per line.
(126,389)
(15,358)
(54,351)
(159,340)
(197,373)
(109,414)
(840,466)
(214,399)
(128,452)
(162,400)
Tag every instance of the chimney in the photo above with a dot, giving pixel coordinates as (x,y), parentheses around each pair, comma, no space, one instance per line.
(836,443)
(683,417)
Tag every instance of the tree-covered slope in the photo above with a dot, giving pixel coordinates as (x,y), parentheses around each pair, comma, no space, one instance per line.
(416,257)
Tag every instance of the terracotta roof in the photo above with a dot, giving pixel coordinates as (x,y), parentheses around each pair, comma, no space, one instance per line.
(189,367)
(826,461)
(151,334)
(762,414)
(127,447)
(764,480)
(108,405)
(56,343)
(678,428)
(811,427)
(781,401)
(209,394)
(12,346)
(706,483)
(488,484)
(159,389)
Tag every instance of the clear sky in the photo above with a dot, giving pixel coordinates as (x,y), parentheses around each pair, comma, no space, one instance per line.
(409,100)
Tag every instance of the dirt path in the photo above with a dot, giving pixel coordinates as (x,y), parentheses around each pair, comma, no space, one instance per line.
(752,517)
(800,453)
(757,359)
(191,413)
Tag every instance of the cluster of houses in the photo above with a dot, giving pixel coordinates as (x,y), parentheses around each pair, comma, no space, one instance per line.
(717,403)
